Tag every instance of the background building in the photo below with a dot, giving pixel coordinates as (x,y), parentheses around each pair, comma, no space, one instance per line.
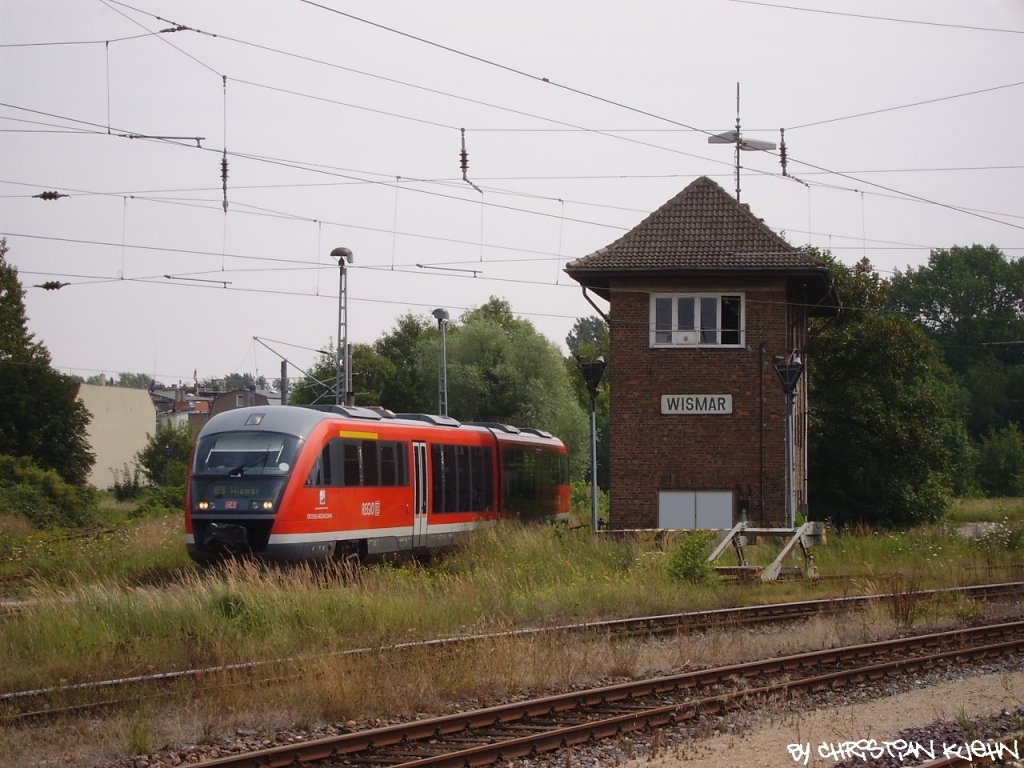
(122,419)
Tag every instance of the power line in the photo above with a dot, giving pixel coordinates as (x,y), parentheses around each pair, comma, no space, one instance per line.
(77,42)
(879,18)
(308,167)
(176,28)
(349,105)
(611,102)
(911,196)
(574,90)
(161,281)
(908,106)
(426,89)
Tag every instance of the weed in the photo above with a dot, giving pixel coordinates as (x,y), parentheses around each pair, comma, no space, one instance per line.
(905,603)
(688,560)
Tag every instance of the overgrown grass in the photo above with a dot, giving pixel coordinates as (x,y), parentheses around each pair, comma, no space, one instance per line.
(986,510)
(83,628)
(127,544)
(93,612)
(126,601)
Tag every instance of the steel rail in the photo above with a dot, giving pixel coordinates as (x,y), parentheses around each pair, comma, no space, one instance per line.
(31,704)
(417,738)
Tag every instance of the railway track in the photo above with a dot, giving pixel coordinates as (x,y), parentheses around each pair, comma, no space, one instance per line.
(91,696)
(524,729)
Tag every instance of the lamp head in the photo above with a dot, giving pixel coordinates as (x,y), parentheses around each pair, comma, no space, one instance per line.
(342,253)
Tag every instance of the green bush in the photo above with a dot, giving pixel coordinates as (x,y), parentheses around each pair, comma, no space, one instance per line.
(688,560)
(581,504)
(165,457)
(162,500)
(42,497)
(127,483)
(1000,462)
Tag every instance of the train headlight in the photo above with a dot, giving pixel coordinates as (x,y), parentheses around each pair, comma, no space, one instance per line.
(203,505)
(268,505)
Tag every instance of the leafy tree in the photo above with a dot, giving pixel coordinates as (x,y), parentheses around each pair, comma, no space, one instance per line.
(137,381)
(498,369)
(240,381)
(1001,462)
(885,428)
(40,415)
(165,457)
(588,337)
(965,298)
(501,369)
(317,386)
(971,301)
(408,357)
(16,343)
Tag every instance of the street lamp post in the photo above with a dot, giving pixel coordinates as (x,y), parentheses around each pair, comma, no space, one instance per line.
(341,358)
(788,370)
(592,373)
(442,361)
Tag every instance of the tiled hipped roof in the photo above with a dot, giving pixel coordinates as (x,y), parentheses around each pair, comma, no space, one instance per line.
(701,231)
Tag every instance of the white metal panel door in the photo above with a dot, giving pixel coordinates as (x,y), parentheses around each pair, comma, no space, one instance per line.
(677,510)
(420,494)
(695,510)
(714,510)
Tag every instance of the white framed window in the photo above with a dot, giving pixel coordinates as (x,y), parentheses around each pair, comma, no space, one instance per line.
(697,320)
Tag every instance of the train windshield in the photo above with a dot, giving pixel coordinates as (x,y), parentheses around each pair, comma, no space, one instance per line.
(237,454)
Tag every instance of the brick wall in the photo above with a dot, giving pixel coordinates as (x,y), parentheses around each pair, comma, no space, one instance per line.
(652,452)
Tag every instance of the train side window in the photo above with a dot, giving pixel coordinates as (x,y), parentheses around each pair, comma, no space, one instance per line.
(320,474)
(437,478)
(518,481)
(392,464)
(371,468)
(444,478)
(350,452)
(463,478)
(334,457)
(451,479)
(483,487)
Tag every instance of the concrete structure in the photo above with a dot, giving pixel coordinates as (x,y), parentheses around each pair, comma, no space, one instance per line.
(122,421)
(704,300)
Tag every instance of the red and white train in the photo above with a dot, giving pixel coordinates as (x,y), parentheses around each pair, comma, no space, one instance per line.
(296,483)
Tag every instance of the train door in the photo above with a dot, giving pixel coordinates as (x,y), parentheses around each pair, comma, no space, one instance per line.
(421,491)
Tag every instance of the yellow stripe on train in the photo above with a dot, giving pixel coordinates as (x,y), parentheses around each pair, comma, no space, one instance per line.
(359,435)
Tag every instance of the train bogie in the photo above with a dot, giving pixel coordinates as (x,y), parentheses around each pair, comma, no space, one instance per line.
(293,483)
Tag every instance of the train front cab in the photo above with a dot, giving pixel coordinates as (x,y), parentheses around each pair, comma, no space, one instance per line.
(241,474)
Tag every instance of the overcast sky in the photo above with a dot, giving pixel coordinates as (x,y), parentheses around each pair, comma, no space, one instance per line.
(343,126)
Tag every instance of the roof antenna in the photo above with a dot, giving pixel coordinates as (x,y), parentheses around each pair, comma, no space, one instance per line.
(734,137)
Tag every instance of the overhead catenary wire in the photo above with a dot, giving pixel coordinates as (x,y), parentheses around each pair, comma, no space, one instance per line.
(861,192)
(319,168)
(869,17)
(534,77)
(602,99)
